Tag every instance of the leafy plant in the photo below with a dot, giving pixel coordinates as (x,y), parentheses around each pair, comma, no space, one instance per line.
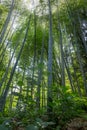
(68,105)
(32,127)
(2,127)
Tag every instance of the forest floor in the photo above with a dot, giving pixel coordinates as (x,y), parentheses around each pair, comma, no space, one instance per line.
(74,124)
(45,122)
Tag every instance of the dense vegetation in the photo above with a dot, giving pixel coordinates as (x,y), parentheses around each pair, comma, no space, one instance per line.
(43,64)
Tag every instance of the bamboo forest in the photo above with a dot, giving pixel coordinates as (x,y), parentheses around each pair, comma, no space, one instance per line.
(43,64)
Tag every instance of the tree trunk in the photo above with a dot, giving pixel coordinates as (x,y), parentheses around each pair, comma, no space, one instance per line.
(50,55)
(3,97)
(6,22)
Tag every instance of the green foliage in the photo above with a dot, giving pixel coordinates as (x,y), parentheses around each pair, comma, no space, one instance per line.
(5,122)
(68,105)
(44,124)
(2,127)
(22,95)
(3,13)
(32,127)
(20,83)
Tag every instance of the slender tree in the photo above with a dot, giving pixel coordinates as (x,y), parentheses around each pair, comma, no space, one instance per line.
(7,22)
(50,53)
(3,97)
